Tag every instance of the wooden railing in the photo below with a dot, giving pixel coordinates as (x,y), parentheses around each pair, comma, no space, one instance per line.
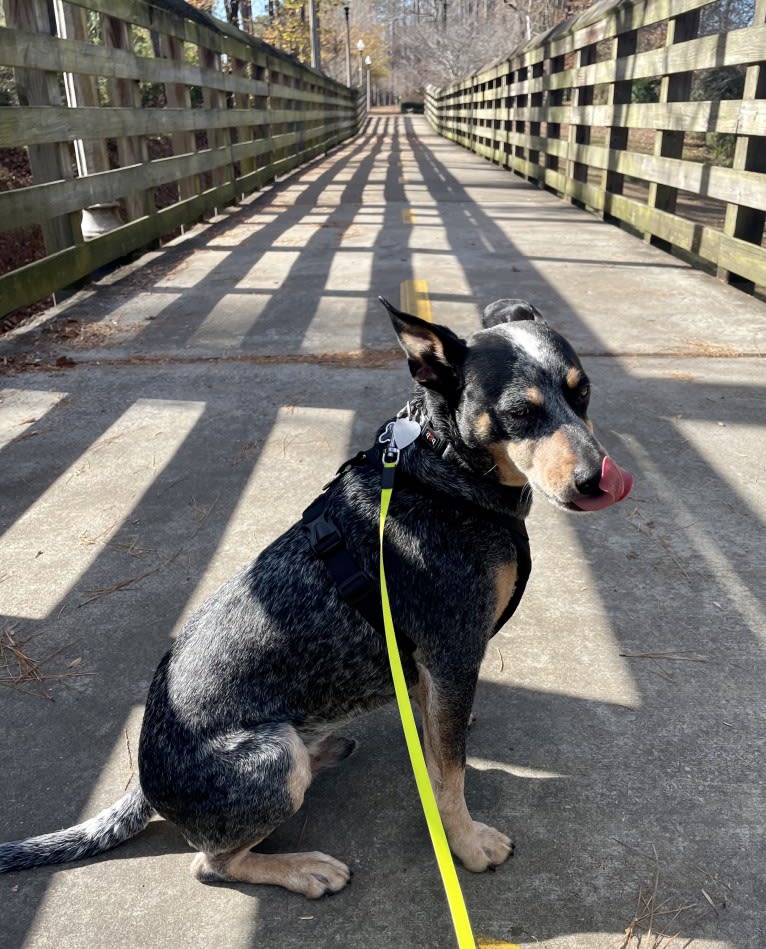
(620,111)
(137,118)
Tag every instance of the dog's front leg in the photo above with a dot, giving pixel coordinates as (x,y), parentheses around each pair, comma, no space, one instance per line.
(445,711)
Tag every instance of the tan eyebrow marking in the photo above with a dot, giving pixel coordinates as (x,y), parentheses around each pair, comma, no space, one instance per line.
(534,396)
(573,377)
(483,425)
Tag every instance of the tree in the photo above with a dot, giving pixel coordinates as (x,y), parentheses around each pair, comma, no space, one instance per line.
(287,28)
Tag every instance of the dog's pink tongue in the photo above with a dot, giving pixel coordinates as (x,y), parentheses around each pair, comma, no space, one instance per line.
(615,482)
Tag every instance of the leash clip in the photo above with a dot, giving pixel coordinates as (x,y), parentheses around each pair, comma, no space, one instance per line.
(392,452)
(398,435)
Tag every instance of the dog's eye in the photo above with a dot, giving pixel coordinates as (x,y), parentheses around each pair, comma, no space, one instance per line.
(578,398)
(579,394)
(519,409)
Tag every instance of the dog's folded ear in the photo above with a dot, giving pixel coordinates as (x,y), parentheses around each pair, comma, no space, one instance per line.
(509,311)
(435,354)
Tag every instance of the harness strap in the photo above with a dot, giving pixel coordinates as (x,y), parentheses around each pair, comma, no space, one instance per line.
(329,546)
(523,570)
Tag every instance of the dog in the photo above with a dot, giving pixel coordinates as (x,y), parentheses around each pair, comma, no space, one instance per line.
(245,706)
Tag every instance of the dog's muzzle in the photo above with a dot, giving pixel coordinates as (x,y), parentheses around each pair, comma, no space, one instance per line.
(615,485)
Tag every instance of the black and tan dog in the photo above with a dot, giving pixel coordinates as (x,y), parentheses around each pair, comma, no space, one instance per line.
(244,707)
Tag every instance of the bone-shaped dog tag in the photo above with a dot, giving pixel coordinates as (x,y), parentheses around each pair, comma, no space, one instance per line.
(404,433)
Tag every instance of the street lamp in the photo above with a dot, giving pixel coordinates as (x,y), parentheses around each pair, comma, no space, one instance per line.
(346,6)
(360,48)
(368,64)
(314,34)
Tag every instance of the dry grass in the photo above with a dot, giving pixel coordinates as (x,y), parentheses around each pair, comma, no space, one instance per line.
(81,332)
(666,922)
(121,585)
(23,672)
(701,347)
(655,924)
(649,529)
(658,661)
(15,364)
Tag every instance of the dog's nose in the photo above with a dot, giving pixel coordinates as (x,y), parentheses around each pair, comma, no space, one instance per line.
(587,481)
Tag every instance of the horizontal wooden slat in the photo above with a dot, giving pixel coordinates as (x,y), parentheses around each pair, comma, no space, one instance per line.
(40,202)
(39,51)
(723,116)
(737,48)
(723,184)
(217,36)
(41,124)
(625,15)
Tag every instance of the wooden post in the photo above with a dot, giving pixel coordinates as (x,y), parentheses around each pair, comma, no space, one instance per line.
(555,101)
(580,134)
(620,92)
(91,155)
(669,143)
(214,100)
(81,91)
(747,224)
(243,133)
(49,162)
(519,125)
(535,128)
(177,96)
(125,94)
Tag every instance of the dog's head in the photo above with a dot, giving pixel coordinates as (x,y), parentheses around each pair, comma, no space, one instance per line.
(519,399)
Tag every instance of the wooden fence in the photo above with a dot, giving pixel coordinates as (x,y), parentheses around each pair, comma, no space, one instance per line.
(137,118)
(650,113)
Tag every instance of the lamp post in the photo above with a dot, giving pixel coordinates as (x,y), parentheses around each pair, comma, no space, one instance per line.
(360,48)
(346,7)
(368,64)
(314,34)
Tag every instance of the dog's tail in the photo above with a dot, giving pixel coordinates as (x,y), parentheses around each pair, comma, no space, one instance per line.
(111,827)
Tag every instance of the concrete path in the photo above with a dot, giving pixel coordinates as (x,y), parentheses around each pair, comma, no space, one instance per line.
(179,413)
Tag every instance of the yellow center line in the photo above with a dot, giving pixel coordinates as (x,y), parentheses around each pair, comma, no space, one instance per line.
(414,298)
(408,216)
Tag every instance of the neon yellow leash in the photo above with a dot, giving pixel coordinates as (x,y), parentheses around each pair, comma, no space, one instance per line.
(455,901)
(460,920)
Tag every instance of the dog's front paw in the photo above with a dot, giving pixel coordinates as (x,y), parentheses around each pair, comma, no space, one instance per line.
(482,847)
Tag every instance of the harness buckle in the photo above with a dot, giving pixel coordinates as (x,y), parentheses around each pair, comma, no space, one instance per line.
(353,588)
(324,536)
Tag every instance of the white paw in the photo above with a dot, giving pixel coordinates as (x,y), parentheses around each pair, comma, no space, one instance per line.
(482,847)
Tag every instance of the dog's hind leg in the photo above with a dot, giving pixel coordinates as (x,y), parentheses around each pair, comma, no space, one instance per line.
(310,874)
(265,782)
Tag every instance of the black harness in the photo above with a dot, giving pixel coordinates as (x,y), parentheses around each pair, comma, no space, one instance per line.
(353,585)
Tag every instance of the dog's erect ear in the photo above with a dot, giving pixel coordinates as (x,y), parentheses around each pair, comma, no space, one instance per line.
(435,354)
(510,311)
